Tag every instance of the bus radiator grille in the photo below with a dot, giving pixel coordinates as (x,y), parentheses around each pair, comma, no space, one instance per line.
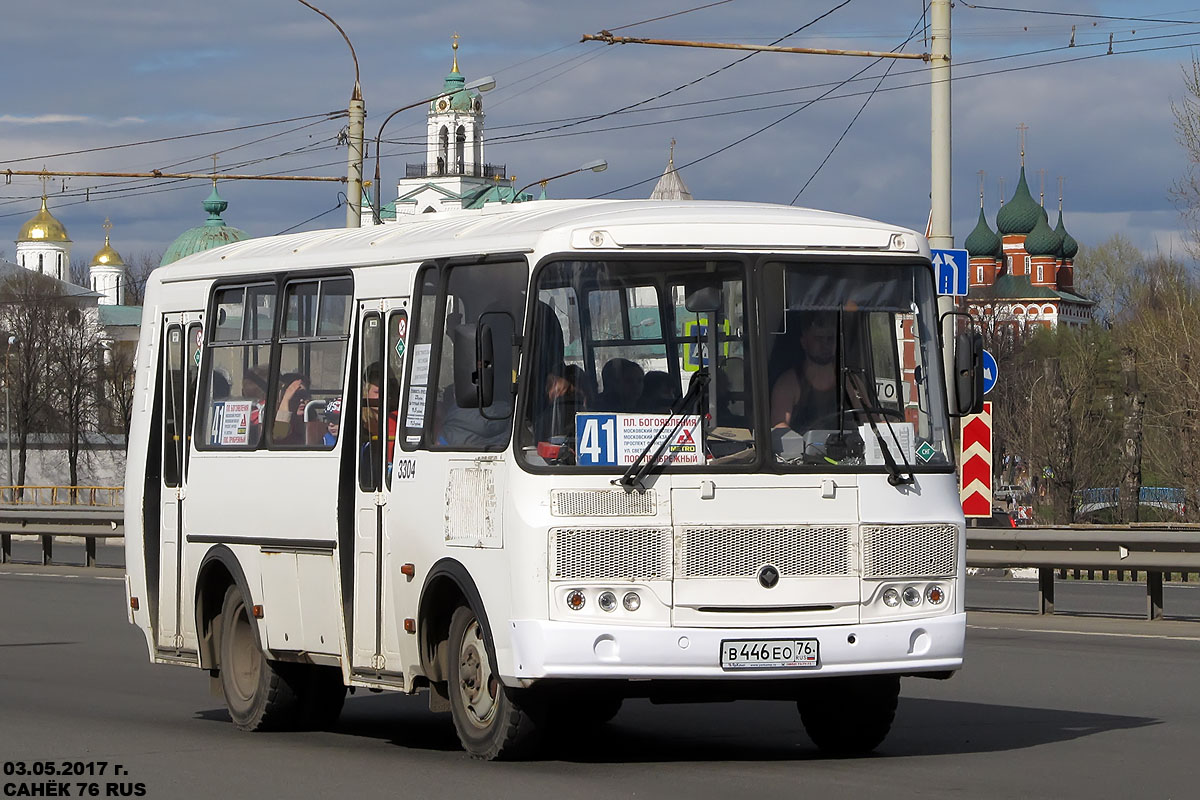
(796,551)
(909,551)
(610,553)
(602,503)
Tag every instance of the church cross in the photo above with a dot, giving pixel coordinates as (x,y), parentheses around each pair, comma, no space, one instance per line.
(1021,129)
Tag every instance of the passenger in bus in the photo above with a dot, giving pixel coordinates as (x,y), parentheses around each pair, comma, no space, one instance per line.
(623,380)
(581,384)
(372,396)
(288,427)
(659,393)
(333,420)
(805,396)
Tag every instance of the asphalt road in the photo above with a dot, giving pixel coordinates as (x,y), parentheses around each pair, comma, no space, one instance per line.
(1060,707)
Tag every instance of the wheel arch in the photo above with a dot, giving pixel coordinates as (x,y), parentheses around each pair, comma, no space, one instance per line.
(219,569)
(447,585)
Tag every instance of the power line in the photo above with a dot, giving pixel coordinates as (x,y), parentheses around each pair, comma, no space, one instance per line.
(326,115)
(1086,16)
(912,34)
(668,16)
(681,87)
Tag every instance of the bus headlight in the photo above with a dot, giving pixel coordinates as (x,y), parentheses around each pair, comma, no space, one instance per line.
(912,596)
(631,601)
(935,595)
(891,598)
(607,601)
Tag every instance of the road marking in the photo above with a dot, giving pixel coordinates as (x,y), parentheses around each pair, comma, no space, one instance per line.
(63,575)
(1088,633)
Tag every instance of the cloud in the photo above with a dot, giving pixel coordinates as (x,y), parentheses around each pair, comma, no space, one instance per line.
(42,119)
(181,61)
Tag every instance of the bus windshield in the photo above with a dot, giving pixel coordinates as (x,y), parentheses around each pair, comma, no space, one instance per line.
(651,364)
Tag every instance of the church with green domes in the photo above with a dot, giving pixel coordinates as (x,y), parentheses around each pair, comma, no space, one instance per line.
(1022,274)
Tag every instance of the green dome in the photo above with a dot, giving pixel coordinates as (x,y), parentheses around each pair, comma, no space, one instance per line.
(1070,247)
(1042,241)
(1022,213)
(213,233)
(982,241)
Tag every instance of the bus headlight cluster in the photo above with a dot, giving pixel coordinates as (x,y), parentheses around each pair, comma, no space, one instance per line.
(576,599)
(913,595)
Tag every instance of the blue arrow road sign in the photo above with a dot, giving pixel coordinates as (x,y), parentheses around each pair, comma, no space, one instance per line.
(990,373)
(951,270)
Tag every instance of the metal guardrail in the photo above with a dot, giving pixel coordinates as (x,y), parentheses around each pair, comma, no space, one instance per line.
(62,495)
(91,523)
(1154,549)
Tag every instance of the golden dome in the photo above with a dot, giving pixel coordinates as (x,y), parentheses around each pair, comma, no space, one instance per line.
(106,256)
(43,228)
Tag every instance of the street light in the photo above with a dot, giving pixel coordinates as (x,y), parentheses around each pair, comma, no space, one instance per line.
(484,84)
(358,113)
(599,165)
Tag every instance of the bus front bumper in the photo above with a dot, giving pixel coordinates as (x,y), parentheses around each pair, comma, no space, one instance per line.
(545,649)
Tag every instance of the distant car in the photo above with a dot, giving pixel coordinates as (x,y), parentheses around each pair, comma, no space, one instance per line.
(999,519)
(1009,492)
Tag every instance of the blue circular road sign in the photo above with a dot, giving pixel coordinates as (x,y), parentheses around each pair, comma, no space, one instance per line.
(990,373)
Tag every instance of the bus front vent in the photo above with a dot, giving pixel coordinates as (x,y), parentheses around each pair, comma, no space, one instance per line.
(909,551)
(602,503)
(610,554)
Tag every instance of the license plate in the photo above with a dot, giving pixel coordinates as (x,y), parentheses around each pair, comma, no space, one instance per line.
(750,654)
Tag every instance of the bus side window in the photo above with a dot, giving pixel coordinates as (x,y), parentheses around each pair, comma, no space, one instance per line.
(420,349)
(312,363)
(486,297)
(236,370)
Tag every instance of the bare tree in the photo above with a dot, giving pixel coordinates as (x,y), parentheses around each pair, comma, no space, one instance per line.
(26,299)
(138,268)
(74,373)
(1186,190)
(116,380)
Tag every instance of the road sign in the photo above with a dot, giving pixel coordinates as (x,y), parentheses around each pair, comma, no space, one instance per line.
(975,464)
(950,267)
(990,372)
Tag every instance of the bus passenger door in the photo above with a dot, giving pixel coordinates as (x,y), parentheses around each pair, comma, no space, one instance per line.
(182,337)
(383,596)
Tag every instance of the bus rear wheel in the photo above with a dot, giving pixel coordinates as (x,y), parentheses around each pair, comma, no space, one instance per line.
(850,716)
(256,694)
(487,714)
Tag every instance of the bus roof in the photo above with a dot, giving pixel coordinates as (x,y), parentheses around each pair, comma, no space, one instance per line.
(566,224)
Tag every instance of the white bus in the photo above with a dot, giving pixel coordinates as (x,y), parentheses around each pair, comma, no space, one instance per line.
(540,458)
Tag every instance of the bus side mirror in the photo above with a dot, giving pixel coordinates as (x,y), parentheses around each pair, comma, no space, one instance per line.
(466,374)
(968,373)
(495,343)
(485,360)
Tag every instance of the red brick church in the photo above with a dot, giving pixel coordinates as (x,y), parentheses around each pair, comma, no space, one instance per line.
(1022,273)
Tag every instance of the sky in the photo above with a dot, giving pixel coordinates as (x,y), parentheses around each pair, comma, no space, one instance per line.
(137,85)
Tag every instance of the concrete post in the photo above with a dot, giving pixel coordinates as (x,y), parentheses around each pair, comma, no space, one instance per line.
(354,160)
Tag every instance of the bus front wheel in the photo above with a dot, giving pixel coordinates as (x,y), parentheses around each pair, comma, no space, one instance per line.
(850,716)
(256,694)
(487,715)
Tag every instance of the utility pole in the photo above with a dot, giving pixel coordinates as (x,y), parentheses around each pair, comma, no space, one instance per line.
(354,157)
(940,235)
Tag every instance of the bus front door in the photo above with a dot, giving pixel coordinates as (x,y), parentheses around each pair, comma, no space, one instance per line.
(384,597)
(183,337)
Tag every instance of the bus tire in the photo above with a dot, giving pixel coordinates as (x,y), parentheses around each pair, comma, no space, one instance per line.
(487,714)
(322,696)
(256,694)
(850,716)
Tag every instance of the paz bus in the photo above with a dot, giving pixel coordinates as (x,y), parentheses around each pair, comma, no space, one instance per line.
(531,461)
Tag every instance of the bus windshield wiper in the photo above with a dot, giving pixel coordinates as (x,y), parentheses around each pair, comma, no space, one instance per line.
(896,477)
(641,466)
